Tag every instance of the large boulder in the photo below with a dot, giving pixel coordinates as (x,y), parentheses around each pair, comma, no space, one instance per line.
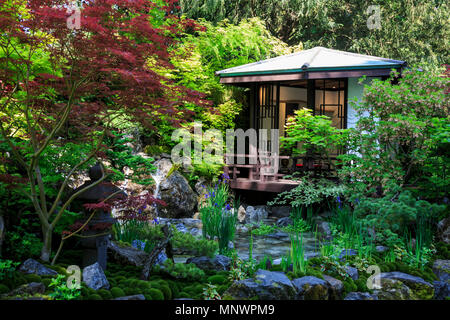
(323,229)
(442,269)
(421,289)
(393,290)
(27,289)
(218,263)
(281,212)
(175,191)
(31,266)
(254,215)
(127,255)
(311,288)
(336,287)
(443,230)
(441,290)
(94,277)
(267,285)
(361,296)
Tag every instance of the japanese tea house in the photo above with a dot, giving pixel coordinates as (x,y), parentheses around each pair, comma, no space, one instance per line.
(321,79)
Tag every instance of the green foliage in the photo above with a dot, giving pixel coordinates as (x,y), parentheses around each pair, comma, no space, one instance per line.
(61,291)
(308,133)
(309,191)
(210,292)
(188,242)
(264,229)
(188,272)
(7,268)
(394,144)
(415,31)
(297,254)
(95,297)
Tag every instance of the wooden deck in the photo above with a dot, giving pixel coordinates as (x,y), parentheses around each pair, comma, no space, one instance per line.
(250,177)
(267,186)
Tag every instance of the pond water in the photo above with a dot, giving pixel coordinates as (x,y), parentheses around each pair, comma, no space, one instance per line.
(274,245)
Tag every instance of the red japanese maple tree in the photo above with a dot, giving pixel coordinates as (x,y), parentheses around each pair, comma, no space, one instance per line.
(101,69)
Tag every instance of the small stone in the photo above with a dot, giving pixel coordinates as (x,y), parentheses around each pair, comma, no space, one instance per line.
(94,277)
(352,272)
(241,214)
(381,249)
(127,255)
(347,253)
(31,266)
(218,263)
(284,222)
(361,296)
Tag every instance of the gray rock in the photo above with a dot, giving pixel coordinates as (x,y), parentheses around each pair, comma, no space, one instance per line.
(392,289)
(94,277)
(267,285)
(347,253)
(421,289)
(336,287)
(443,230)
(276,262)
(255,215)
(218,263)
(441,290)
(323,229)
(310,255)
(180,227)
(134,297)
(352,272)
(161,258)
(442,269)
(242,213)
(284,222)
(175,191)
(27,289)
(278,235)
(31,266)
(381,249)
(311,288)
(281,212)
(196,232)
(361,296)
(127,255)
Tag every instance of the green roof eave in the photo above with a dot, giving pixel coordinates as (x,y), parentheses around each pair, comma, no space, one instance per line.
(269,72)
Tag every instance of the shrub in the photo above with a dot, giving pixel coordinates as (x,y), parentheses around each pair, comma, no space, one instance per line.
(95,297)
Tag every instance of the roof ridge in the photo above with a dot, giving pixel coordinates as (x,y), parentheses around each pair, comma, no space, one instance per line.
(267,60)
(360,55)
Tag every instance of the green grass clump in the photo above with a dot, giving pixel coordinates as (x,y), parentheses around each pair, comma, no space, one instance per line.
(166,292)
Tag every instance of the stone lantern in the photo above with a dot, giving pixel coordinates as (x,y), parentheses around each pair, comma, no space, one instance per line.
(95,247)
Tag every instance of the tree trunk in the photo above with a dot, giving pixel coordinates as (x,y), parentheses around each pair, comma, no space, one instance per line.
(47,247)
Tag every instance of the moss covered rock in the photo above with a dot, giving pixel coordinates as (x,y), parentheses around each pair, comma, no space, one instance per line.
(311,288)
(421,289)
